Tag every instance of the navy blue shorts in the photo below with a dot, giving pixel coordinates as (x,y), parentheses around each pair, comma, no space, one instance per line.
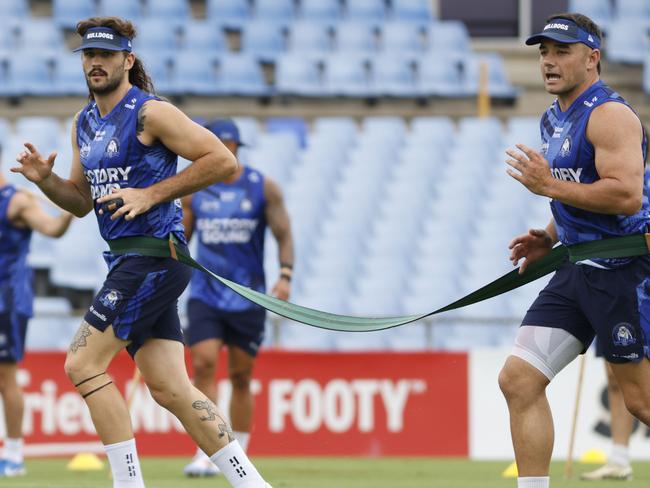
(139,299)
(242,329)
(13,329)
(612,305)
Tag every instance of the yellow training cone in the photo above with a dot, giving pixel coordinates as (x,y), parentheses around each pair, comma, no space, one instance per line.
(85,461)
(593,456)
(510,471)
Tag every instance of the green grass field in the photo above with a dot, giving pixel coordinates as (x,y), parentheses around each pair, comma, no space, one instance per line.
(321,473)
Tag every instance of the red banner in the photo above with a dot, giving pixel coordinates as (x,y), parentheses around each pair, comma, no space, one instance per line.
(335,404)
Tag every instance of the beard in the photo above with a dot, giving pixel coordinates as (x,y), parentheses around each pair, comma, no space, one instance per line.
(110,85)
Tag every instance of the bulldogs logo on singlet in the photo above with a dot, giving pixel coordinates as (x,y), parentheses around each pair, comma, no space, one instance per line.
(623,335)
(113,148)
(110,299)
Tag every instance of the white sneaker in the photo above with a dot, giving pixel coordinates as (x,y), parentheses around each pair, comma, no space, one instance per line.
(608,472)
(201,466)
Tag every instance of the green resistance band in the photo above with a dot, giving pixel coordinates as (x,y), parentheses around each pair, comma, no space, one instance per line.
(619,247)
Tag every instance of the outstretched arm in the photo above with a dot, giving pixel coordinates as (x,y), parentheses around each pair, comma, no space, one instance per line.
(26,211)
(280,225)
(71,194)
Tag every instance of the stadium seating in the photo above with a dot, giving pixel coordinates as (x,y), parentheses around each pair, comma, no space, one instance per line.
(16,9)
(327,11)
(127,9)
(203,36)
(627,41)
(393,76)
(356,37)
(280,11)
(264,40)
(346,76)
(633,10)
(418,12)
(297,75)
(240,75)
(600,11)
(646,74)
(66,13)
(168,10)
(373,11)
(231,14)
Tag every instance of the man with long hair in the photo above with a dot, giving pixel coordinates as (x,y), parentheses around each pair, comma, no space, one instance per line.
(20,214)
(591,167)
(125,144)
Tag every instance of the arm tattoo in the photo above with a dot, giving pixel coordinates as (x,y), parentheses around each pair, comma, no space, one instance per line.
(212,414)
(141,116)
(80,337)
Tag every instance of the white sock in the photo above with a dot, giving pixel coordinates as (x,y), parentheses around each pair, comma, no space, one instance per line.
(125,465)
(200,454)
(620,455)
(13,450)
(243,438)
(533,482)
(236,467)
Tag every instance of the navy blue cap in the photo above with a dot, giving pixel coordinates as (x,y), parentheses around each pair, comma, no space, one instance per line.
(104,38)
(225,129)
(567,32)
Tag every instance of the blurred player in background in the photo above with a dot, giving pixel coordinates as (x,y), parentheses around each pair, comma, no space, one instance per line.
(20,214)
(230,219)
(125,145)
(595,146)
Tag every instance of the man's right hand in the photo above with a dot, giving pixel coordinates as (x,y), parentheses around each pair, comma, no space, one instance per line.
(33,166)
(531,246)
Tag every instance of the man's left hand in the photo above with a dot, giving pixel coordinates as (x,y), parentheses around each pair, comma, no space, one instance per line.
(134,201)
(533,170)
(282,289)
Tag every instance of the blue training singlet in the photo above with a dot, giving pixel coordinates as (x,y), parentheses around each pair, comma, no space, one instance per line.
(571,157)
(16,293)
(230,223)
(113,157)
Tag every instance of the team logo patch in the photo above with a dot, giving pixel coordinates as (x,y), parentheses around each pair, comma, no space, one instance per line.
(246,205)
(113,148)
(110,299)
(565,150)
(84,151)
(623,335)
(254,177)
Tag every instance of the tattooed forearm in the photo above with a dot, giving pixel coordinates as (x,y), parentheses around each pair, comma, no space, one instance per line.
(212,414)
(139,128)
(80,337)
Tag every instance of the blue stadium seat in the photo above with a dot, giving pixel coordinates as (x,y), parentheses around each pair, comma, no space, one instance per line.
(415,11)
(127,9)
(281,11)
(307,36)
(8,38)
(157,33)
(40,34)
(439,75)
(201,35)
(401,37)
(498,84)
(373,11)
(169,10)
(17,9)
(194,73)
(67,13)
(327,11)
(393,76)
(241,74)
(232,14)
(264,40)
(158,64)
(355,37)
(33,78)
(42,131)
(627,41)
(633,10)
(600,11)
(292,125)
(449,36)
(346,76)
(297,75)
(69,76)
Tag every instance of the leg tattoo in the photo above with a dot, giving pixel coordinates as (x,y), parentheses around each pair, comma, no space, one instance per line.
(211,409)
(80,338)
